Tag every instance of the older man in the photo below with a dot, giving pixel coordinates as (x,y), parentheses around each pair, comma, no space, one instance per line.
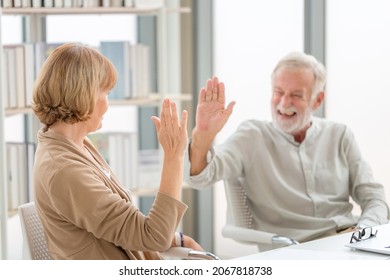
(298,171)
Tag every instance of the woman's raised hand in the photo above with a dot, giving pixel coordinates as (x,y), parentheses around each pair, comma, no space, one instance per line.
(171,132)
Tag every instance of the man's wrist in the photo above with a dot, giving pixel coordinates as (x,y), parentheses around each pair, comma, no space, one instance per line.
(361,226)
(201,139)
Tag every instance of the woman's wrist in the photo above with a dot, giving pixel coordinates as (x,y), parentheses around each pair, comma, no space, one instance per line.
(179,239)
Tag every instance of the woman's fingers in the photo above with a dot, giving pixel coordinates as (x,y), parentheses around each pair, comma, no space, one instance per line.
(166,112)
(183,123)
(174,116)
(169,119)
(157,123)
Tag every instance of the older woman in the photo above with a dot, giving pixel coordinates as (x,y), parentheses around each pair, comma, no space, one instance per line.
(85,212)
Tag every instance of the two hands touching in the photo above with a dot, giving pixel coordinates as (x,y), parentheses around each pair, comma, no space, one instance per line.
(211,116)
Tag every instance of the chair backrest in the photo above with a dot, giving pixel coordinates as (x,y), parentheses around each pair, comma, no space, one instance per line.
(239,220)
(34,242)
(238,213)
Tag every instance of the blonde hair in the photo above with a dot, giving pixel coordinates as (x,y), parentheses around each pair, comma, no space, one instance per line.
(68,84)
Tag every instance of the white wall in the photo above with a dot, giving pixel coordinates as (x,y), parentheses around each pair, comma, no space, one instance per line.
(358,88)
(250,37)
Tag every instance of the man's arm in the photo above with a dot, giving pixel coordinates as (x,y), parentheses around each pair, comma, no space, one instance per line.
(211,116)
(366,191)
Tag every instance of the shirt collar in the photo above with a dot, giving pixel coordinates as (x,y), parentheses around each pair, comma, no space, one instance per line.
(309,133)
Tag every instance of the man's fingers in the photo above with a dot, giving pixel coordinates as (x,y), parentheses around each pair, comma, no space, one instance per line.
(221,93)
(202,95)
(215,89)
(209,90)
(229,108)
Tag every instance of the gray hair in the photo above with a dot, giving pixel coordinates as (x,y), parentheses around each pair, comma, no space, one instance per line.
(301,60)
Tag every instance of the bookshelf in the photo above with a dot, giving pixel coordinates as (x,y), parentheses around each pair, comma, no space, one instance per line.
(33,34)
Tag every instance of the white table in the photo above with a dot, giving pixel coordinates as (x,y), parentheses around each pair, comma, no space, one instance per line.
(329,248)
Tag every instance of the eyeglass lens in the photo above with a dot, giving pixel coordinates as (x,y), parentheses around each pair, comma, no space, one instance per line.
(363,234)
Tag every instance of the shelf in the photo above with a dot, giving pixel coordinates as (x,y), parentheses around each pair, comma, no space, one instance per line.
(153,100)
(16,111)
(92,10)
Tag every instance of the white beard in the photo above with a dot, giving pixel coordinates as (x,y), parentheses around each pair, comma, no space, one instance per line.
(296,124)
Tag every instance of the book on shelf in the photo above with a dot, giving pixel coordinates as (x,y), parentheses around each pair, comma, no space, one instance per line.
(6,80)
(30,149)
(128,3)
(106,3)
(118,52)
(148,3)
(48,3)
(37,3)
(20,76)
(15,76)
(140,65)
(68,3)
(19,64)
(150,168)
(26,3)
(58,3)
(20,159)
(29,72)
(24,61)
(91,3)
(17,3)
(120,150)
(13,184)
(116,3)
(132,62)
(7,3)
(4,84)
(41,51)
(12,74)
(77,3)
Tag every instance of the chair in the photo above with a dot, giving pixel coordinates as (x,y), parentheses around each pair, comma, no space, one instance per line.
(35,246)
(188,254)
(239,221)
(34,242)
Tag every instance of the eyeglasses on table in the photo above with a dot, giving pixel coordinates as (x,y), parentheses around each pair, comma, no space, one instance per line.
(363,234)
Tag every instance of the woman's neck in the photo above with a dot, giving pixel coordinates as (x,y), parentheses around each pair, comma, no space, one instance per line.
(72,132)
